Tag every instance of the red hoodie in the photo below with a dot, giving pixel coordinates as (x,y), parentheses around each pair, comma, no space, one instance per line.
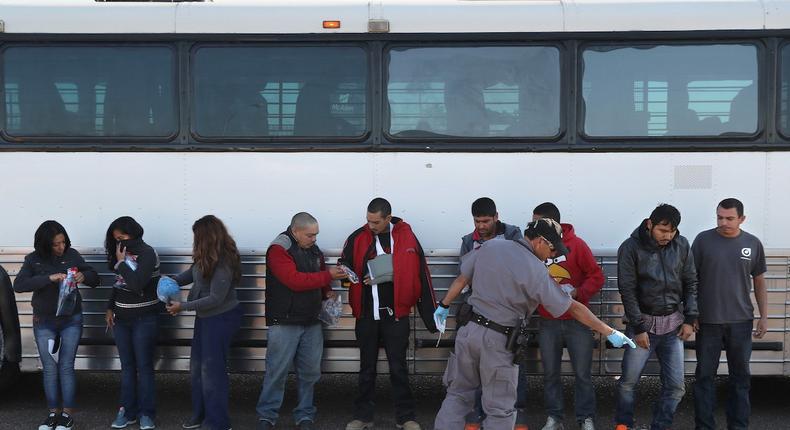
(579,269)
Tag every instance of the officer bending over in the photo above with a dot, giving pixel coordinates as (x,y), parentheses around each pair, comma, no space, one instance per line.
(511,280)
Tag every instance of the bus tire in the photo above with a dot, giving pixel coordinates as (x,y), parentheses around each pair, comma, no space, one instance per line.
(10,336)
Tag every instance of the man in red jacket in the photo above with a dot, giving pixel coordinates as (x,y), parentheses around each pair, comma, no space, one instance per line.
(578,274)
(394,276)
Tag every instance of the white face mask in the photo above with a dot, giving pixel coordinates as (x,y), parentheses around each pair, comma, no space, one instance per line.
(440,325)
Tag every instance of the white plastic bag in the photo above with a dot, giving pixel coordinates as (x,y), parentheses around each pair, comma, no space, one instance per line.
(331,309)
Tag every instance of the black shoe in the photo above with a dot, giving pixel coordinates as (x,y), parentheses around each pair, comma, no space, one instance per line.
(65,422)
(192,423)
(305,425)
(50,423)
(265,425)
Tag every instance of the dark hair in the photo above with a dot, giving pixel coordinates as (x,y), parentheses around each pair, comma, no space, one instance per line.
(730,203)
(547,210)
(380,205)
(665,214)
(213,244)
(483,207)
(126,225)
(45,235)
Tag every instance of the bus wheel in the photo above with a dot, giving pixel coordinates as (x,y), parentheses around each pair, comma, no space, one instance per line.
(9,370)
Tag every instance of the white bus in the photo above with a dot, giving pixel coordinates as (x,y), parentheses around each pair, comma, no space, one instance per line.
(255,110)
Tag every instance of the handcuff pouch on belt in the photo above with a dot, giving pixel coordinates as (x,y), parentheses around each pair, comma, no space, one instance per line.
(464,312)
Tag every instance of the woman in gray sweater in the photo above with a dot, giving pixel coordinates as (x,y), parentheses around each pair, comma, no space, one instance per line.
(214,276)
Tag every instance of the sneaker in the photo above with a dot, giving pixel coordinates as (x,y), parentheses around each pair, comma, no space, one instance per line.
(305,425)
(147,423)
(588,424)
(359,425)
(265,425)
(65,422)
(473,426)
(621,427)
(193,423)
(553,424)
(521,420)
(409,425)
(121,421)
(50,423)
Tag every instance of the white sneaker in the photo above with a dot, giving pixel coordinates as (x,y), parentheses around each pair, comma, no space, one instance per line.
(553,424)
(588,424)
(359,425)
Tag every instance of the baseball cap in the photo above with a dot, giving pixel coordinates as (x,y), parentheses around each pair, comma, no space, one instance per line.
(550,230)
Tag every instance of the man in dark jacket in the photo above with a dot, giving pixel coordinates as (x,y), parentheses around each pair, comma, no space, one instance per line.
(381,303)
(658,286)
(297,281)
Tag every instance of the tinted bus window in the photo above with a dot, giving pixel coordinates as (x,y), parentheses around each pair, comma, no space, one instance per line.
(478,91)
(784,97)
(706,90)
(254,91)
(84,91)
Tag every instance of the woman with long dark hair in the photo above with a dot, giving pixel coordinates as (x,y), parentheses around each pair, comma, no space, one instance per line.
(133,312)
(214,276)
(57,322)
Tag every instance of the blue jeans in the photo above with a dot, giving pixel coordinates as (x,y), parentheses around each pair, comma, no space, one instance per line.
(736,338)
(60,384)
(207,366)
(302,346)
(669,351)
(578,338)
(136,341)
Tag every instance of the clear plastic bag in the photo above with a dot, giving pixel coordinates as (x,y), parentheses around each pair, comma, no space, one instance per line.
(67,294)
(331,309)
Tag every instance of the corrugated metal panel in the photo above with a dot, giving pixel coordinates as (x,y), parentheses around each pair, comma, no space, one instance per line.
(98,351)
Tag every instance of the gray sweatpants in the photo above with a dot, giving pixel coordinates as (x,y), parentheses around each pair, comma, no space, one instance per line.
(480,360)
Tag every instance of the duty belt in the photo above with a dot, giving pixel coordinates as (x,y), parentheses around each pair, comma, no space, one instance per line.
(487,323)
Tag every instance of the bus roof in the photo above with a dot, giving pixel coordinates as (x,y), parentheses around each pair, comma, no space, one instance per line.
(403,16)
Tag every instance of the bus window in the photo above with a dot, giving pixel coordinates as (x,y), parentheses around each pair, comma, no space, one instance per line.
(784,96)
(703,90)
(296,91)
(480,91)
(89,91)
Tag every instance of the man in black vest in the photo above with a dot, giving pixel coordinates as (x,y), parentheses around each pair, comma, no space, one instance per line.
(297,280)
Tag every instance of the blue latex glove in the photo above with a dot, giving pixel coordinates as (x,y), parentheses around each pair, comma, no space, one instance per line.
(441,314)
(618,339)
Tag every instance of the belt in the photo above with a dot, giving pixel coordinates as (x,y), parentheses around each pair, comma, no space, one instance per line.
(487,323)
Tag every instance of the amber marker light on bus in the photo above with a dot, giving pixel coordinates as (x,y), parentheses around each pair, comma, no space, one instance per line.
(331,24)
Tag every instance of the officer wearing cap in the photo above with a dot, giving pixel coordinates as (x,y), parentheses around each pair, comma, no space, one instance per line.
(515,281)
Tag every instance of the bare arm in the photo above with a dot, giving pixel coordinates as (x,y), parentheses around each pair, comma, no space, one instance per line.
(455,289)
(761,295)
(582,314)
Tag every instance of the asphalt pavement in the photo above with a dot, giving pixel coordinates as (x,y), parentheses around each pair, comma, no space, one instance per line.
(24,407)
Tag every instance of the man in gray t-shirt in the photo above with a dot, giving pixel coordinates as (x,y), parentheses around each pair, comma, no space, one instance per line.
(729,260)
(510,281)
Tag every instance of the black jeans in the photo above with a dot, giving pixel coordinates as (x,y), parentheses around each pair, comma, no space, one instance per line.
(394,334)
(736,340)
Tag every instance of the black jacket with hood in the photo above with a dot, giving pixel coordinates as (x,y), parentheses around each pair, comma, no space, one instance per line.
(656,280)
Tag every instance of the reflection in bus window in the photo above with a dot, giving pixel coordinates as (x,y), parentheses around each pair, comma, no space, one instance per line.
(254,91)
(478,91)
(784,96)
(81,91)
(670,90)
